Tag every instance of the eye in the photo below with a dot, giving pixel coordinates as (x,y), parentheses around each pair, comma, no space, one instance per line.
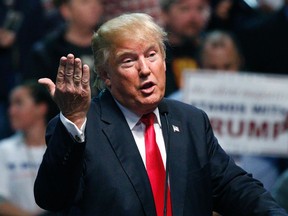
(152,55)
(127,62)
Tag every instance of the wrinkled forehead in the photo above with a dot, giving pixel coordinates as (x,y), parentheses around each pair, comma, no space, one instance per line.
(136,39)
(141,34)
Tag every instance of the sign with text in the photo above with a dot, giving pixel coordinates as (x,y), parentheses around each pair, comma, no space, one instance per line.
(247,111)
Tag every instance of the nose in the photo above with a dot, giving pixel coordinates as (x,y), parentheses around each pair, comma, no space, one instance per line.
(144,69)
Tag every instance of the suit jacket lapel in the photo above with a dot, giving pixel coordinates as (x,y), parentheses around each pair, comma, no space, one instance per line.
(123,143)
(177,161)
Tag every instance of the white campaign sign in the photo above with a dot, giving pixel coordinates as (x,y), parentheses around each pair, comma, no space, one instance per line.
(247,111)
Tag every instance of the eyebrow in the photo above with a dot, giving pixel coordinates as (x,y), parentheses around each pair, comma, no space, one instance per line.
(125,52)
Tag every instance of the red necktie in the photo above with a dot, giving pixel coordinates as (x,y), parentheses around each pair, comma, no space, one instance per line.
(155,167)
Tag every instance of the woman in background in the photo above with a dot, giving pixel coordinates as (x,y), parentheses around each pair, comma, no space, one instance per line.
(30,109)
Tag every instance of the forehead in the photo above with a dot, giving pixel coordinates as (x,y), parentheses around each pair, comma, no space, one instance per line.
(224,54)
(135,44)
(20,91)
(130,44)
(134,34)
(20,94)
(225,46)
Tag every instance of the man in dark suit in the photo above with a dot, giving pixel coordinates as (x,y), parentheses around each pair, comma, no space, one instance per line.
(96,161)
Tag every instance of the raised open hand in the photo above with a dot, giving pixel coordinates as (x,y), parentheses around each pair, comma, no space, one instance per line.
(72,91)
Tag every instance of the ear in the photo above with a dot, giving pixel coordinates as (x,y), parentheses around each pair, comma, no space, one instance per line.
(107,83)
(105,76)
(164,62)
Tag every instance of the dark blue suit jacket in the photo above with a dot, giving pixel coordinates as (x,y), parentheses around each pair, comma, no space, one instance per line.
(105,175)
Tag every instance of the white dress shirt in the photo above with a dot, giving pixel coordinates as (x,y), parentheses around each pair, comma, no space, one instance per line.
(136,126)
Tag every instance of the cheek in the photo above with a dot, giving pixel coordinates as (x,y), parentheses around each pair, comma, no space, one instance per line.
(19,120)
(124,78)
(25,112)
(161,76)
(121,84)
(24,115)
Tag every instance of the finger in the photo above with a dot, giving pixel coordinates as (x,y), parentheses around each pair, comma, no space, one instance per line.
(86,77)
(78,72)
(49,84)
(61,71)
(69,70)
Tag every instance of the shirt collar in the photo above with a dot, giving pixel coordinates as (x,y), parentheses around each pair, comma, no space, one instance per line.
(132,118)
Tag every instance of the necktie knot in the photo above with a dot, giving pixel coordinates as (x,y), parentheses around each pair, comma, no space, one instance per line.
(148,119)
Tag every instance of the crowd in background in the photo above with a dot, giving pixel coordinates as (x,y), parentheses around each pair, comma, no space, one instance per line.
(34,34)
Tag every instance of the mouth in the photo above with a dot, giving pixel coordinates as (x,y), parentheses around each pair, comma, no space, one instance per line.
(147,87)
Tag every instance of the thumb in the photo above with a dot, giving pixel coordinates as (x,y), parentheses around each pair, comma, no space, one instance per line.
(49,85)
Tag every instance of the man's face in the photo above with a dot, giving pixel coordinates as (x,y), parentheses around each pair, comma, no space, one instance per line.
(136,78)
(221,58)
(187,18)
(23,112)
(83,13)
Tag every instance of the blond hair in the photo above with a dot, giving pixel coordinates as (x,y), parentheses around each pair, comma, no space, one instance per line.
(134,26)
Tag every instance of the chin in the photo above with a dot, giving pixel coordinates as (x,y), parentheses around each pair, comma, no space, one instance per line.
(156,100)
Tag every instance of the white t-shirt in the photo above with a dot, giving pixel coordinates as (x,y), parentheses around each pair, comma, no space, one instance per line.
(19,165)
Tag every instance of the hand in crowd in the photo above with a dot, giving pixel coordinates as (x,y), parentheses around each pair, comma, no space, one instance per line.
(71,92)
(7,38)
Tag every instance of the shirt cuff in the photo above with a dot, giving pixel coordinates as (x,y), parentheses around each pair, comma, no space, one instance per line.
(75,132)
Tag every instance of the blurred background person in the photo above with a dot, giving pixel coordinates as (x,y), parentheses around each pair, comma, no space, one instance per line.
(185,21)
(229,15)
(21,24)
(81,19)
(113,8)
(265,168)
(267,7)
(218,51)
(30,109)
(280,190)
